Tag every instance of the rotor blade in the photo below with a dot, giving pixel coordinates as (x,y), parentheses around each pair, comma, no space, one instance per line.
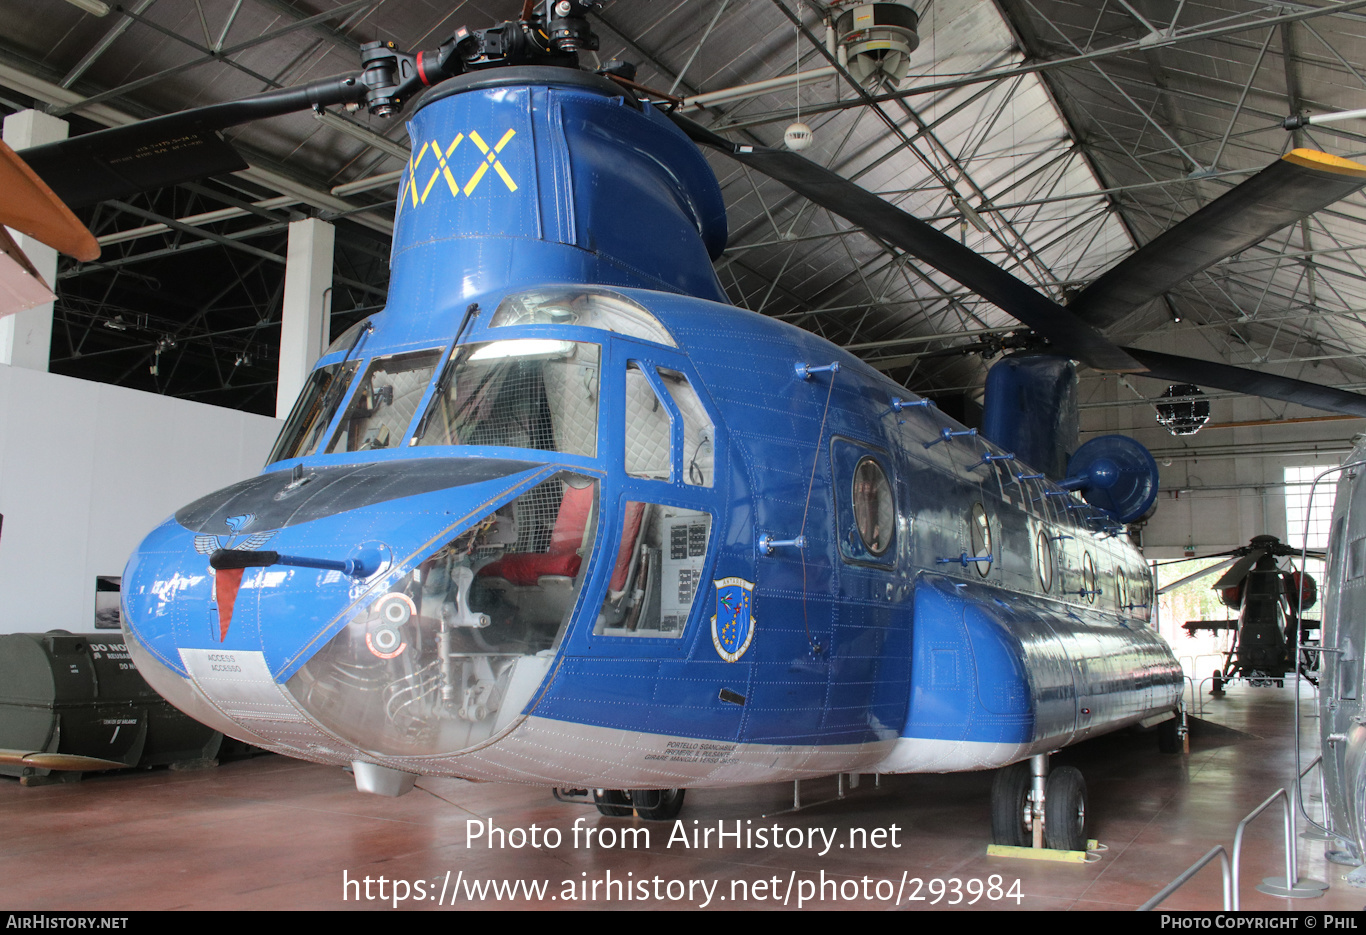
(1240,380)
(1291,188)
(163,151)
(1235,575)
(883,220)
(1217,566)
(1064,330)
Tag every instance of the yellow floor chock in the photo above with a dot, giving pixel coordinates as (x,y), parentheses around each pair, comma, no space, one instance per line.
(1043,853)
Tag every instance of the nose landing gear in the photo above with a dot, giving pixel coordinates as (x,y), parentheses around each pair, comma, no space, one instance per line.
(649,804)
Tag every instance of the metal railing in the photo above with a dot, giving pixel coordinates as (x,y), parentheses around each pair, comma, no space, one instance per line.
(1216,851)
(1294,887)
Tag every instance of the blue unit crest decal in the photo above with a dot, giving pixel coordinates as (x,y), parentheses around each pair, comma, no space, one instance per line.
(732,629)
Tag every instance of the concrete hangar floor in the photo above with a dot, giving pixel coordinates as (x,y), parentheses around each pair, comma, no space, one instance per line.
(275,833)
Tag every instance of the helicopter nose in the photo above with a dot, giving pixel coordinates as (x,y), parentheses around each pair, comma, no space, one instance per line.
(343,616)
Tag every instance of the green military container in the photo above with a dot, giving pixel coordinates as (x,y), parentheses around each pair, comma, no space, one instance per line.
(74,702)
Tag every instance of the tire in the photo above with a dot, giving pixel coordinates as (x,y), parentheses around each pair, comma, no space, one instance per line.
(1064,826)
(1009,796)
(613,803)
(658,804)
(1169,736)
(1217,685)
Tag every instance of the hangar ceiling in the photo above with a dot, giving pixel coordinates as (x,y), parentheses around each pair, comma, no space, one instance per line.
(1053,136)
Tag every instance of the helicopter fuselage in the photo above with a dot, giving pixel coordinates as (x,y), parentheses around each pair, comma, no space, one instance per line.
(589,524)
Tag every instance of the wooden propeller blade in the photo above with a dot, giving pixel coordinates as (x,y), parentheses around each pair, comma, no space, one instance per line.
(57,761)
(30,207)
(1291,188)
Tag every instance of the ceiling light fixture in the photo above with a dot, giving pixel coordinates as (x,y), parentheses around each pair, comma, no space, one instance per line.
(93,7)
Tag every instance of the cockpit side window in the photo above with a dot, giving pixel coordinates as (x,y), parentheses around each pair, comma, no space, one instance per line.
(649,429)
(313,411)
(533,393)
(698,431)
(386,401)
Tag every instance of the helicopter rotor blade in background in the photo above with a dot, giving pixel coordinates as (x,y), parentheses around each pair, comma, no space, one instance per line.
(180,147)
(1065,331)
(1202,573)
(1235,575)
(1291,188)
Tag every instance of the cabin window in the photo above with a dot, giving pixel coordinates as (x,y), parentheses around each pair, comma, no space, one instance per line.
(657,576)
(600,308)
(1356,558)
(979,536)
(313,412)
(520,393)
(1043,560)
(699,456)
(649,428)
(1121,589)
(874,513)
(1088,578)
(385,402)
(864,503)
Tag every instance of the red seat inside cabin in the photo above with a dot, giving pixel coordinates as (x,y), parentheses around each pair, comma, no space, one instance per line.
(562,558)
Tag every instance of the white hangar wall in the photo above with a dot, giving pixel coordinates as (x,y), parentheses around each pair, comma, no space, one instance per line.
(87,470)
(1223,485)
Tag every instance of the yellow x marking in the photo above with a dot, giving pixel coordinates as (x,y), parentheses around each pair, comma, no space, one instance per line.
(442,168)
(413,162)
(491,159)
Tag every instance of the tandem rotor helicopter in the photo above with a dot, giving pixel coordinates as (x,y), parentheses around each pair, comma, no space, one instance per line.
(563,515)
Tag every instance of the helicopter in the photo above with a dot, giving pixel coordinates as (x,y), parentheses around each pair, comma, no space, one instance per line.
(563,515)
(1341,689)
(1270,602)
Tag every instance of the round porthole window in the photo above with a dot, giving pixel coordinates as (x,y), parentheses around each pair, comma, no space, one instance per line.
(1121,590)
(1088,578)
(979,531)
(874,512)
(1043,560)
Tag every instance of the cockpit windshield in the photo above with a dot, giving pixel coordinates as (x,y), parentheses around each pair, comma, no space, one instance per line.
(533,393)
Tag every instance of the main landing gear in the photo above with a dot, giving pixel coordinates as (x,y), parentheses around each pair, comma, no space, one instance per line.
(1033,807)
(649,804)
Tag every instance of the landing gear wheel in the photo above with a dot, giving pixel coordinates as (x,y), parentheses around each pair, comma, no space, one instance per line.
(658,804)
(1217,686)
(1169,736)
(613,803)
(1064,826)
(1009,800)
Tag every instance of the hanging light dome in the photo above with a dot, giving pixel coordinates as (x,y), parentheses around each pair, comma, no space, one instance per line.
(797,137)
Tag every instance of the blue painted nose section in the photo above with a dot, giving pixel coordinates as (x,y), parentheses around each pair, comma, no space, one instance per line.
(397,511)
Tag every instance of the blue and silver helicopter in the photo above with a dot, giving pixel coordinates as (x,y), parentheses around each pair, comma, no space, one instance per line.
(563,515)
